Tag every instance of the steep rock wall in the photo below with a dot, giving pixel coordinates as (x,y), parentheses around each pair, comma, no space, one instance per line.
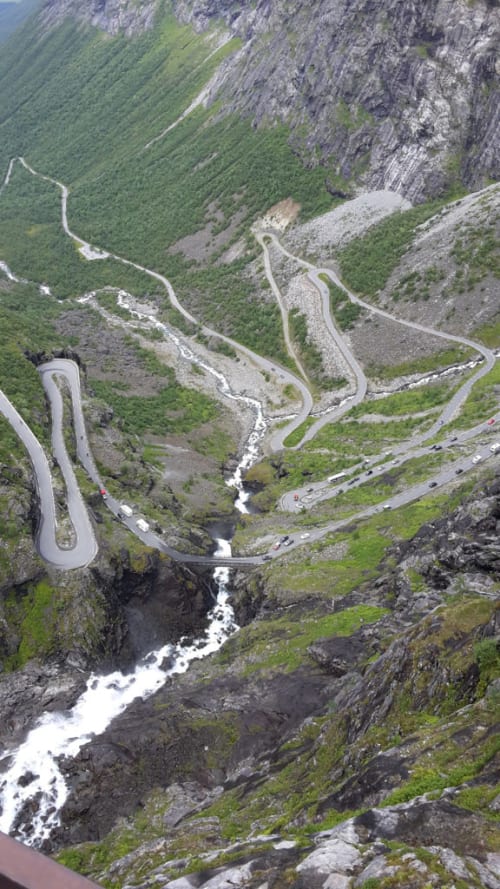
(399,95)
(402,95)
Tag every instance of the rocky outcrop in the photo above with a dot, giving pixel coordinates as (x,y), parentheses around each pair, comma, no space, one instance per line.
(213,732)
(402,96)
(397,707)
(114,613)
(113,16)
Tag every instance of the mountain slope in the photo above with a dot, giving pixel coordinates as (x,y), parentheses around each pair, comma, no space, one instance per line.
(13,14)
(396,95)
(347,736)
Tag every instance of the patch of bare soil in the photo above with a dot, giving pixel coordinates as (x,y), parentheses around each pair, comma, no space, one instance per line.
(106,354)
(378,342)
(281,215)
(206,242)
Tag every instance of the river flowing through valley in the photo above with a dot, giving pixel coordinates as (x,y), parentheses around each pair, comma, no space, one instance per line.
(32,787)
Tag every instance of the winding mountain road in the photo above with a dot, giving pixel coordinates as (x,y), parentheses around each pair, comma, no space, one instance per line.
(83,549)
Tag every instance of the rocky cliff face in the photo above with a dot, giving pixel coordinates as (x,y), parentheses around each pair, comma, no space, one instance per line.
(375,759)
(397,95)
(107,617)
(113,16)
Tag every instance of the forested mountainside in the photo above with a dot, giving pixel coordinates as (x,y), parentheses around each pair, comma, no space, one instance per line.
(399,95)
(186,190)
(13,14)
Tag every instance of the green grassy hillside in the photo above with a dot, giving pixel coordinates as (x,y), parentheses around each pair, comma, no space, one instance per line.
(81,107)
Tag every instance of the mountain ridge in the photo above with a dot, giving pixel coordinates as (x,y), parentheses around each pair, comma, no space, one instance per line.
(400,96)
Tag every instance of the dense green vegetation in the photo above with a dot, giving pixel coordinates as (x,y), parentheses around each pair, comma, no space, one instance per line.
(225,299)
(26,325)
(343,310)
(367,262)
(34,245)
(425,364)
(82,107)
(309,353)
(103,100)
(174,409)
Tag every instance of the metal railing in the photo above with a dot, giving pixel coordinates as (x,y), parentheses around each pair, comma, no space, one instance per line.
(23,868)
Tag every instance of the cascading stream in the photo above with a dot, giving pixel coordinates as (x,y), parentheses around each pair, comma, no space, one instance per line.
(34,763)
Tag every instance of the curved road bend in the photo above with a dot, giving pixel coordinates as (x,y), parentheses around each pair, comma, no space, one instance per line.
(286,376)
(278,439)
(460,395)
(85,547)
(64,367)
(279,299)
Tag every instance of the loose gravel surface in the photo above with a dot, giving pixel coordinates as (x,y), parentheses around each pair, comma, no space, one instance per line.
(340,225)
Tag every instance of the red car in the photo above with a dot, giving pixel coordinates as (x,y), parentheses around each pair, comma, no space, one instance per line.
(490,422)
(103,493)
(295,496)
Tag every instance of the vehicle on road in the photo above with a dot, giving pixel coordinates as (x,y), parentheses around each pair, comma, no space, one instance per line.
(289,541)
(305,535)
(334,478)
(432,484)
(310,490)
(477,458)
(386,506)
(295,496)
(285,538)
(491,421)
(458,471)
(142,525)
(495,447)
(125,510)
(103,493)
(277,545)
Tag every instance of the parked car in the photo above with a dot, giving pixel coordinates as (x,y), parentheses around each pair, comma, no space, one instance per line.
(495,447)
(289,542)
